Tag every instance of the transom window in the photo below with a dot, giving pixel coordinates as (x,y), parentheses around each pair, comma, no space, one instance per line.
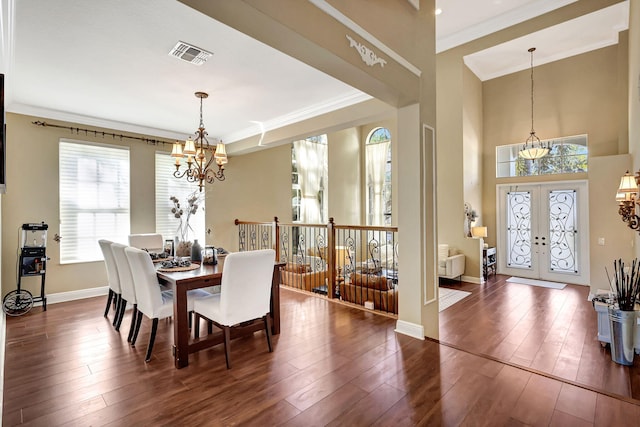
(378,177)
(567,155)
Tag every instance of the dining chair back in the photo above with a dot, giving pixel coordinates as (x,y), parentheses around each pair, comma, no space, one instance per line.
(112,276)
(126,285)
(152,242)
(148,294)
(245,294)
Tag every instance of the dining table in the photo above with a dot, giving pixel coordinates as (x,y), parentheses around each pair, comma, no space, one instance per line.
(207,275)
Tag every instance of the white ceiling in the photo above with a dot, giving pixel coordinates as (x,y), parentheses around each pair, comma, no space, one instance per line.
(106,63)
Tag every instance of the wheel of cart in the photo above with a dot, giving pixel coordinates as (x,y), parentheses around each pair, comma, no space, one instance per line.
(17,303)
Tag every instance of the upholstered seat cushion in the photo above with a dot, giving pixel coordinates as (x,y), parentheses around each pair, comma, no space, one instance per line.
(371,281)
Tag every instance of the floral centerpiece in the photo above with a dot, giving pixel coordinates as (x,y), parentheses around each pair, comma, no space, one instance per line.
(184,215)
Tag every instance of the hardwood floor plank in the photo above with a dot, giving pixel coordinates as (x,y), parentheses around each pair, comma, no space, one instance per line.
(577,401)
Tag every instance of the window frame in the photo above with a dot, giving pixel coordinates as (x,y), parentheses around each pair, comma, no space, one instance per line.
(81,246)
(509,165)
(387,191)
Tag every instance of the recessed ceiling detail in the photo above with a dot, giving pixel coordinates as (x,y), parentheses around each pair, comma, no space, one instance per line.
(190,53)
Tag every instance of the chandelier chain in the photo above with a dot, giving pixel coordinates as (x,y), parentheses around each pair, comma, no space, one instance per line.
(531,51)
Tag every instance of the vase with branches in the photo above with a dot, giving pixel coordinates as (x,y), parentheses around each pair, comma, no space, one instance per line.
(625,287)
(184,214)
(470,216)
(625,284)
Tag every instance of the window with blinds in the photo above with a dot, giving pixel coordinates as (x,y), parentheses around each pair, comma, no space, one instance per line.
(166,186)
(94,198)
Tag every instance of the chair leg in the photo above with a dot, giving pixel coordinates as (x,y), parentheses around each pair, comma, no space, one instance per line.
(152,338)
(267,329)
(115,316)
(132,328)
(227,345)
(109,298)
(209,327)
(135,334)
(196,327)
(120,313)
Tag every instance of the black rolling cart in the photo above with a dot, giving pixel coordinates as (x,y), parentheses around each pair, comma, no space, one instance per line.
(32,262)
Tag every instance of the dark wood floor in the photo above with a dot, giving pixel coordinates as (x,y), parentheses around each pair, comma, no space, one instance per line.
(547,330)
(332,365)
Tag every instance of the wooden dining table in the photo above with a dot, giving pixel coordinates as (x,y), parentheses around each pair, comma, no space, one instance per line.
(203,277)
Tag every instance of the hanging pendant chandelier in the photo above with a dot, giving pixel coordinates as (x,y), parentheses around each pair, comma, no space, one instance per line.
(200,156)
(533,148)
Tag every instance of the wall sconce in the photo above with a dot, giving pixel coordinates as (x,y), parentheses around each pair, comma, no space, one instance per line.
(627,197)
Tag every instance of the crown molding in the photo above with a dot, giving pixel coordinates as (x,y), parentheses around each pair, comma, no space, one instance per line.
(306,113)
(541,60)
(30,110)
(500,22)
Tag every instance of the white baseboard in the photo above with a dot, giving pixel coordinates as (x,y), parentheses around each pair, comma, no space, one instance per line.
(410,329)
(471,279)
(75,295)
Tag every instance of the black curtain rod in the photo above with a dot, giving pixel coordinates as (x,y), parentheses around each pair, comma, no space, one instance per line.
(96,133)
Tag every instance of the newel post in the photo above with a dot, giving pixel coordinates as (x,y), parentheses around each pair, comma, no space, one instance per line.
(276,238)
(331,243)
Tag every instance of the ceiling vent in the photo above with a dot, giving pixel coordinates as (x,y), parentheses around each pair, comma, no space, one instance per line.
(190,53)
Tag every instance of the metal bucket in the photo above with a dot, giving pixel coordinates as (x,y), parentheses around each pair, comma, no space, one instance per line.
(622,325)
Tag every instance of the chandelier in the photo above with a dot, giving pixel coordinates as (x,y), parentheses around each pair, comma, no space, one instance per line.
(627,198)
(533,148)
(200,156)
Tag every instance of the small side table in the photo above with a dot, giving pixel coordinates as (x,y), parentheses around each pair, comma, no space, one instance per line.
(488,262)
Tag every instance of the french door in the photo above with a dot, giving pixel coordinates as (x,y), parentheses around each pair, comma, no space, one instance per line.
(543,231)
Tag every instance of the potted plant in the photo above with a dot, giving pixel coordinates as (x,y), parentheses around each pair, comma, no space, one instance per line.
(622,315)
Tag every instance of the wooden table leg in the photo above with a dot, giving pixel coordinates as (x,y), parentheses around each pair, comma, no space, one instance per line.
(180,327)
(275,301)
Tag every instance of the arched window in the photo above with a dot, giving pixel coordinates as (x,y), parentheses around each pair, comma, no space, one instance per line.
(378,177)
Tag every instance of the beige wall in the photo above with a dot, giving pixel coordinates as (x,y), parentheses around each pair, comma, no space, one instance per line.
(257,188)
(472,117)
(32,196)
(344,176)
(604,220)
(459,143)
(634,93)
(573,96)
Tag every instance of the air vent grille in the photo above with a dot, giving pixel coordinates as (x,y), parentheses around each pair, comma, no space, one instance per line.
(190,53)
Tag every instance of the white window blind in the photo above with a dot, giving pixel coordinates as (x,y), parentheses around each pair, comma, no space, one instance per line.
(166,186)
(94,198)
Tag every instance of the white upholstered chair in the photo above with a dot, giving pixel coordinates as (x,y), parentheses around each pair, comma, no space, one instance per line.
(152,242)
(152,302)
(112,278)
(128,294)
(245,294)
(450,262)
